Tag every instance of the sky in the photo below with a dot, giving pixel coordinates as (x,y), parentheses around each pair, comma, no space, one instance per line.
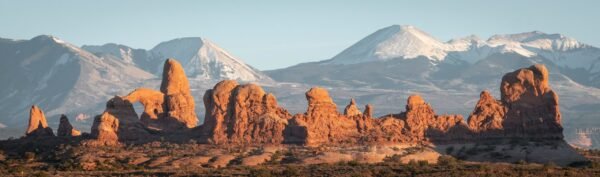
(276,34)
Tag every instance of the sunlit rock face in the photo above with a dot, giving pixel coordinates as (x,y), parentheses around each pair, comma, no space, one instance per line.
(243,114)
(38,126)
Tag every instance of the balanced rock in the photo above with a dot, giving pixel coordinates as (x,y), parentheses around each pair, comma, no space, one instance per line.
(38,126)
(178,100)
(243,114)
(65,128)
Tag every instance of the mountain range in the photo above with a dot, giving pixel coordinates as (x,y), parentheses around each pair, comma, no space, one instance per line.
(382,69)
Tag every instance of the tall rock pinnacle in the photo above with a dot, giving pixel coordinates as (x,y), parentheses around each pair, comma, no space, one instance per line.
(38,126)
(178,100)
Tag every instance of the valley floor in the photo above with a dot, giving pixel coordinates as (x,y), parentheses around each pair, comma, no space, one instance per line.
(39,157)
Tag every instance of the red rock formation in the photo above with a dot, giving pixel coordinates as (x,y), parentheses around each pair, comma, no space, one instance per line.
(37,123)
(352,109)
(65,128)
(528,108)
(152,101)
(178,100)
(105,129)
(243,114)
(420,123)
(368,111)
(119,122)
(488,115)
(321,124)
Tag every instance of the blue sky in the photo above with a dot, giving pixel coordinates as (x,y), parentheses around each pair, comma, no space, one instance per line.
(276,34)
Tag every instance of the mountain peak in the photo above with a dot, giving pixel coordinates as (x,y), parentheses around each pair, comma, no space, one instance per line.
(396,41)
(204,59)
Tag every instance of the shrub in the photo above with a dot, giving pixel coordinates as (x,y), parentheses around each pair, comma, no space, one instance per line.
(290,171)
(449,150)
(260,172)
(29,156)
(423,163)
(448,161)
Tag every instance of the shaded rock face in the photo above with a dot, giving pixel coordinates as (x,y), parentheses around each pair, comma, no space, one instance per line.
(321,124)
(532,105)
(178,100)
(528,108)
(242,114)
(119,122)
(38,126)
(65,128)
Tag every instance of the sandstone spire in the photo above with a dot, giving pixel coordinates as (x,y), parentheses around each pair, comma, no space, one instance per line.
(65,128)
(178,100)
(368,110)
(38,125)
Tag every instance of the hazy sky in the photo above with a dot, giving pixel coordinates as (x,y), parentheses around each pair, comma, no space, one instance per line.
(275,34)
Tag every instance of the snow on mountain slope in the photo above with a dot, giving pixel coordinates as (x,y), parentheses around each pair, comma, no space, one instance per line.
(202,59)
(60,78)
(408,42)
(392,42)
(139,57)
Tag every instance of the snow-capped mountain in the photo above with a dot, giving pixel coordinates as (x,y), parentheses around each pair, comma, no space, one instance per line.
(408,42)
(391,43)
(203,59)
(60,78)
(400,60)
